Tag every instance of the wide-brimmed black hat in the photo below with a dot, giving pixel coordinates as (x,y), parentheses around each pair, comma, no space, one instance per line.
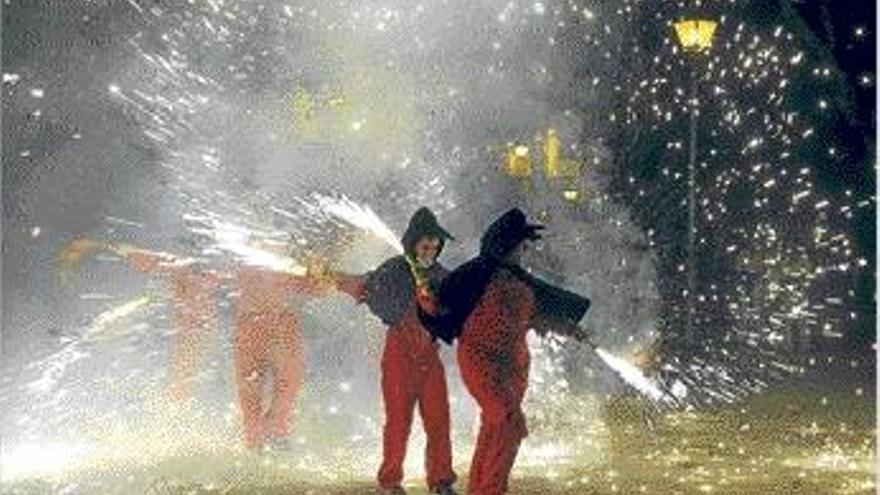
(507,232)
(423,223)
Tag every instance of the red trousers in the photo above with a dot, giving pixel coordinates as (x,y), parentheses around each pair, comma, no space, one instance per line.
(499,391)
(412,373)
(493,358)
(267,343)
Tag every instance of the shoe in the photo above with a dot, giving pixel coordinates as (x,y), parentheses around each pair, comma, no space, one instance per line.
(445,489)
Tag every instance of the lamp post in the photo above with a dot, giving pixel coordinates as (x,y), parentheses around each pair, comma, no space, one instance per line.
(695,37)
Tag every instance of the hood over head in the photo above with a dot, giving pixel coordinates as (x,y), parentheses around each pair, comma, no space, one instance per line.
(423,223)
(506,233)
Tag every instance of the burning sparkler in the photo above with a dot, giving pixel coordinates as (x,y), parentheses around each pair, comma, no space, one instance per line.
(359,216)
(631,375)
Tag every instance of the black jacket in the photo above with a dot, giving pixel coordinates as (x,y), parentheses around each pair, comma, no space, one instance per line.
(391,288)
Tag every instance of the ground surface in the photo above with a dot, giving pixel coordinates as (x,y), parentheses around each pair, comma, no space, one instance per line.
(790,441)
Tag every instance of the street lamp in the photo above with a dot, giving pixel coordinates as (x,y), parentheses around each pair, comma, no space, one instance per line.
(518,164)
(695,37)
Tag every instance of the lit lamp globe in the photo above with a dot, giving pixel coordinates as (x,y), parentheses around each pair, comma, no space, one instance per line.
(519,164)
(572,195)
(695,35)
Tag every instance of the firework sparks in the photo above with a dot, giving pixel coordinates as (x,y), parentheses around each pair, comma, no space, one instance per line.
(632,375)
(359,216)
(240,241)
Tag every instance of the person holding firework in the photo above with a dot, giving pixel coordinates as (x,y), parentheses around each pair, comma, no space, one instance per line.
(269,343)
(412,373)
(268,338)
(489,304)
(194,297)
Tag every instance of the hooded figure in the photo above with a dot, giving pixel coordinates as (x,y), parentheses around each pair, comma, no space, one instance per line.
(390,289)
(462,289)
(489,304)
(412,372)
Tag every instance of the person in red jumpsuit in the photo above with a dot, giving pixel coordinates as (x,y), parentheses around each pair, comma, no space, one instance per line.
(195,315)
(489,304)
(194,295)
(269,348)
(268,336)
(412,373)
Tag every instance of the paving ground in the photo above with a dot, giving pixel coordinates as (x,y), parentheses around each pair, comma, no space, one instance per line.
(790,441)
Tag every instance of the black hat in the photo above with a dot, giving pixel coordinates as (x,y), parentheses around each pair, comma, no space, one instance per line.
(507,232)
(423,223)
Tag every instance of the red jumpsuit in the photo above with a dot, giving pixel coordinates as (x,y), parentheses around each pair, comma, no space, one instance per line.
(268,339)
(195,312)
(196,316)
(493,357)
(412,373)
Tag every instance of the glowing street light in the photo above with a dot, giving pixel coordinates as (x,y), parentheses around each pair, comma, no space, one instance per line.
(519,164)
(572,195)
(695,37)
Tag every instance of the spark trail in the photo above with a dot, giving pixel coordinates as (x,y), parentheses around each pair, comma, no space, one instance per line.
(358,216)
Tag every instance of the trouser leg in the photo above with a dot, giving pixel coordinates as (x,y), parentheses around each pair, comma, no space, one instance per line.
(187,354)
(499,393)
(434,410)
(288,367)
(399,399)
(251,359)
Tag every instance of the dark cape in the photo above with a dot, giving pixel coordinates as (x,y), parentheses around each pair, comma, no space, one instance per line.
(391,288)
(461,290)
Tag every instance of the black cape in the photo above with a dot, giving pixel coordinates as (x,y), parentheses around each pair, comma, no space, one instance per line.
(461,290)
(391,288)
